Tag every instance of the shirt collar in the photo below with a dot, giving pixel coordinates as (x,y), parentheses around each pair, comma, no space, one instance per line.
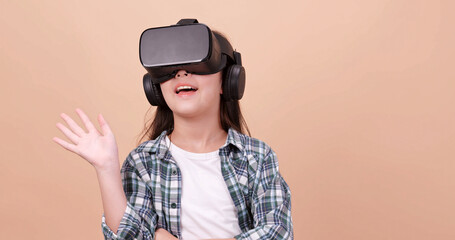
(234,138)
(159,145)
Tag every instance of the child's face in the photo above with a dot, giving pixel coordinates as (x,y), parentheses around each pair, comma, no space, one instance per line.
(203,97)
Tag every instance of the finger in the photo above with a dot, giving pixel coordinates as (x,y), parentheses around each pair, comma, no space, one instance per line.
(104,126)
(67,146)
(73,125)
(86,121)
(73,137)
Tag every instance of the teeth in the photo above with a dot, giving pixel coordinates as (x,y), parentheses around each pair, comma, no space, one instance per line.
(184,87)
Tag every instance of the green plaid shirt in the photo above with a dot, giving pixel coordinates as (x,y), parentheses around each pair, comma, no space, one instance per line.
(152,183)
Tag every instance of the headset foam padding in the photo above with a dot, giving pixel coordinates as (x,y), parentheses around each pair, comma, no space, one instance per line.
(234,83)
(153,91)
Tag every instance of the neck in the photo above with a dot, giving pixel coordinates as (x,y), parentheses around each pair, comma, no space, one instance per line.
(198,134)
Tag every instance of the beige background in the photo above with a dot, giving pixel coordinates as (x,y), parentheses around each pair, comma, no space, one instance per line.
(356,97)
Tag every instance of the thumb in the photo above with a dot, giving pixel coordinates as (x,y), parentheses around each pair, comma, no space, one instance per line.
(104,126)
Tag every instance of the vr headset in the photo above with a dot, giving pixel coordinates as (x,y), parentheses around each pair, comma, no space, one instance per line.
(193,47)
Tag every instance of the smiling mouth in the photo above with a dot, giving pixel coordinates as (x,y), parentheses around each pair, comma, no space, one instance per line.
(185,89)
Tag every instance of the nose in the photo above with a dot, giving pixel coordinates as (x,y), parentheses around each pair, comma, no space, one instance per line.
(182,73)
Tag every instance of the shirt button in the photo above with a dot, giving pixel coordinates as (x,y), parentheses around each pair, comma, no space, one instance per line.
(173,205)
(174,172)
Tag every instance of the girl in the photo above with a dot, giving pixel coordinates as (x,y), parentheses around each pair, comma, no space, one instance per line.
(198,176)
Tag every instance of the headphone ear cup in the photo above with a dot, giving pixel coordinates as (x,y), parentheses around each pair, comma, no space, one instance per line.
(153,91)
(234,83)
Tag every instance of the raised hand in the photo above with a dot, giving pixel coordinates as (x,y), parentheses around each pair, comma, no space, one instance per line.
(100,150)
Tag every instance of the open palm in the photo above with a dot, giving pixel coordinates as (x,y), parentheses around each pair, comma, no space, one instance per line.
(98,149)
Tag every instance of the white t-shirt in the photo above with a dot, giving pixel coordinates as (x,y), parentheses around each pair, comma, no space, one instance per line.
(207,208)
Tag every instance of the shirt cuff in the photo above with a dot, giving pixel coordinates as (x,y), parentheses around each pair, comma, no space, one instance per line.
(107,231)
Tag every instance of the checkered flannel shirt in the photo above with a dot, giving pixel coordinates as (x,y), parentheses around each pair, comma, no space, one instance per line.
(152,183)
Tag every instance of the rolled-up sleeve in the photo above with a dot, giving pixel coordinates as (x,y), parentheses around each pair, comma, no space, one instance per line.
(271,204)
(139,219)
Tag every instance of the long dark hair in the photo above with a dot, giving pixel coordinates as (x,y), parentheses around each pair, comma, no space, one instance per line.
(230,115)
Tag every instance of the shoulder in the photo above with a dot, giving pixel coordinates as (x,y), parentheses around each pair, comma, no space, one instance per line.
(146,149)
(257,156)
(250,145)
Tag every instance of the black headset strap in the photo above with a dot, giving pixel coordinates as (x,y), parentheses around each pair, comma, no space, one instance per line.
(225,46)
(186,21)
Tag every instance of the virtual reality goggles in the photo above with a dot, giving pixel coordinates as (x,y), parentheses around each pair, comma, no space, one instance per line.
(189,45)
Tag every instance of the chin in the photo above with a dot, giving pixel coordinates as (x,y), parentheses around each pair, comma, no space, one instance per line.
(185,111)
